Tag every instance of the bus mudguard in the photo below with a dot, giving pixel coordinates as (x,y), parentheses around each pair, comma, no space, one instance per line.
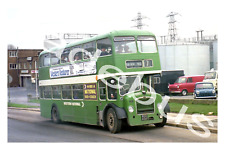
(120,112)
(167,108)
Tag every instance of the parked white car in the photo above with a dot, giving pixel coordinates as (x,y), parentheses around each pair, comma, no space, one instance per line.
(212,76)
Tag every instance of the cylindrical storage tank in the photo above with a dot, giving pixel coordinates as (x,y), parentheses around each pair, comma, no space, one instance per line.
(215,60)
(194,59)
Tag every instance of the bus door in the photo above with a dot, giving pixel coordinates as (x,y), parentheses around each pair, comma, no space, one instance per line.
(107,90)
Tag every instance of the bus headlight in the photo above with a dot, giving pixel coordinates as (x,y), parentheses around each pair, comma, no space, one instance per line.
(197,92)
(213,91)
(131,109)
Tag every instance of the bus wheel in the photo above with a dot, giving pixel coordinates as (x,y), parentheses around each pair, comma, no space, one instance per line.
(163,123)
(184,92)
(55,115)
(114,124)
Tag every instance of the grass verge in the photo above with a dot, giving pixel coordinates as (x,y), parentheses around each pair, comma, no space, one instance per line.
(34,101)
(194,108)
(21,105)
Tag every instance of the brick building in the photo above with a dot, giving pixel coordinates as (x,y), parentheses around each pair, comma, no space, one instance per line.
(22,66)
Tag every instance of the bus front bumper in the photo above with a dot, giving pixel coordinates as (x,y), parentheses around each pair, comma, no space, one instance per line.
(142,119)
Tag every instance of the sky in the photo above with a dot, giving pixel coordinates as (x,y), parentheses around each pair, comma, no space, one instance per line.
(28,21)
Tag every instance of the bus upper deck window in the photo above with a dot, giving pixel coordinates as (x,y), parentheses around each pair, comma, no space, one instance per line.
(54,59)
(89,49)
(65,55)
(64,58)
(76,53)
(125,44)
(78,56)
(146,44)
(45,60)
(104,47)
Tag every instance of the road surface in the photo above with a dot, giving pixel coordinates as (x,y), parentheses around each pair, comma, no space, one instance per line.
(29,126)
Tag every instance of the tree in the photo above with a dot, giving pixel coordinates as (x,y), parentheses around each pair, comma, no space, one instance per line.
(11,46)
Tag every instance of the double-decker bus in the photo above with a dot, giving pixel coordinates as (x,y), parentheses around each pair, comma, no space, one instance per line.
(104,80)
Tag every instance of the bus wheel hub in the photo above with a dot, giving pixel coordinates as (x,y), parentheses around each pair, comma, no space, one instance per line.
(111,120)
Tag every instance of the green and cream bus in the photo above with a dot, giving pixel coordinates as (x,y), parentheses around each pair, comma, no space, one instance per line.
(105,80)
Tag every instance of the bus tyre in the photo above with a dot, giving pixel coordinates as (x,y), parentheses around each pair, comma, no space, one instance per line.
(55,115)
(163,123)
(114,124)
(184,92)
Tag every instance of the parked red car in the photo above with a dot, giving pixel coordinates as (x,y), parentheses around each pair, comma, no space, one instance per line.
(185,84)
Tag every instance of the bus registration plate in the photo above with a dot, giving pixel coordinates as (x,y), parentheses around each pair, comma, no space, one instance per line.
(145,117)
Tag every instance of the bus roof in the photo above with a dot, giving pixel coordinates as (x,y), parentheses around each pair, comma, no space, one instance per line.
(112,33)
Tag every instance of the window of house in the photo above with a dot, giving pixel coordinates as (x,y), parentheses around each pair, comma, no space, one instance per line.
(12,53)
(20,65)
(12,66)
(25,65)
(30,65)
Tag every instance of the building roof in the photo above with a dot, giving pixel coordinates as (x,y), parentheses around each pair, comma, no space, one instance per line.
(25,49)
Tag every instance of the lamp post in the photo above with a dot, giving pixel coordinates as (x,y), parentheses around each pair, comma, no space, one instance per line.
(36,79)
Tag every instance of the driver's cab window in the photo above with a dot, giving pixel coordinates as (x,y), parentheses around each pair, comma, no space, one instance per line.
(128,84)
(112,88)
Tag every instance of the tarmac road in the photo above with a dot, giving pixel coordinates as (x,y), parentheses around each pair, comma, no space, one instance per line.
(28,126)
